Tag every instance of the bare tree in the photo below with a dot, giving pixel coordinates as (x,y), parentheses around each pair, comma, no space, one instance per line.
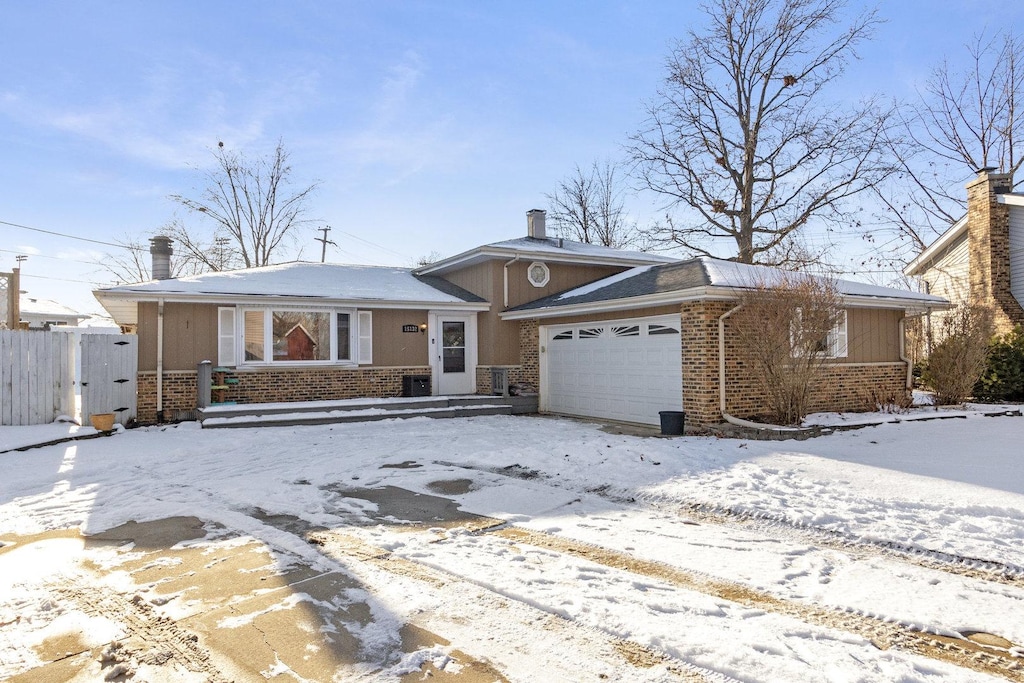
(131,263)
(744,138)
(784,329)
(589,207)
(250,202)
(958,361)
(967,117)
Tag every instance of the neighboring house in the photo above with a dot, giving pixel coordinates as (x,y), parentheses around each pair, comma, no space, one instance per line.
(980,258)
(598,332)
(42,314)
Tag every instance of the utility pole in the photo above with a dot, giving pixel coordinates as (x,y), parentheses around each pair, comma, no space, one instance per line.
(220,243)
(324,241)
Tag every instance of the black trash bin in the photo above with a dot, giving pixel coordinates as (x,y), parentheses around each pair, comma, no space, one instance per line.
(672,422)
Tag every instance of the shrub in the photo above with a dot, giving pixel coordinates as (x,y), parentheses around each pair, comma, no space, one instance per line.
(958,361)
(1003,378)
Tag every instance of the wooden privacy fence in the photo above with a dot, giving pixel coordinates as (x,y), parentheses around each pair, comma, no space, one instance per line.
(109,375)
(37,376)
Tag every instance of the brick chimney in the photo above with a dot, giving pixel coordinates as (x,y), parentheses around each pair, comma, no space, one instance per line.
(988,234)
(160,249)
(535,224)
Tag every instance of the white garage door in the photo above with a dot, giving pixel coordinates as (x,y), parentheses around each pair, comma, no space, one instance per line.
(625,370)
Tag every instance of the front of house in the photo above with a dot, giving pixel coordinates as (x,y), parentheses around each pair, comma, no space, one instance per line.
(597,332)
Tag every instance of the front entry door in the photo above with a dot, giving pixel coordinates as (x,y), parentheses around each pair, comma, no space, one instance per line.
(453,349)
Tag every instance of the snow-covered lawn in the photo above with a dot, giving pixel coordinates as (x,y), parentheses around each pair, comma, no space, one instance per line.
(621,557)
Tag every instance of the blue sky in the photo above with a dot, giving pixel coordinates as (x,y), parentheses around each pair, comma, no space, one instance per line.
(431,126)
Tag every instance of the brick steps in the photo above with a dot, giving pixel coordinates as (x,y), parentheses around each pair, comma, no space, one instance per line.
(359,410)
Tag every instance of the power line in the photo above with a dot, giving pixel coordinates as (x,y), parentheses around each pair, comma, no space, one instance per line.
(55,258)
(374,244)
(62,279)
(71,237)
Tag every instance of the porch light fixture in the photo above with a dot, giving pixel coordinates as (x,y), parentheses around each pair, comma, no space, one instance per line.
(423,328)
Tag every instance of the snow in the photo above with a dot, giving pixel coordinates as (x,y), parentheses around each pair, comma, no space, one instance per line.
(299,279)
(601,284)
(838,522)
(745,276)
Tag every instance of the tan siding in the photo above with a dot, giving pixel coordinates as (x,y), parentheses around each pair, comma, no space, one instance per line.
(478,279)
(190,335)
(391,346)
(564,276)
(873,335)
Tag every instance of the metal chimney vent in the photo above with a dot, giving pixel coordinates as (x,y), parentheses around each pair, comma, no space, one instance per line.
(160,249)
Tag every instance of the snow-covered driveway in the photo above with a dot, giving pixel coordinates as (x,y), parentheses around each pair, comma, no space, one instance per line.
(536,549)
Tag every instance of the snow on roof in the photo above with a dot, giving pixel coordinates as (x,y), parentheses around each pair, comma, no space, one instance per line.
(670,281)
(557,246)
(745,276)
(301,279)
(32,305)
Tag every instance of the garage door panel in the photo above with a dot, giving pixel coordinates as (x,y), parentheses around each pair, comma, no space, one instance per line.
(614,370)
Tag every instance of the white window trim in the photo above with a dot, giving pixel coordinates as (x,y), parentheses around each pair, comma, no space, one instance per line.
(227,354)
(364,337)
(268,334)
(837,340)
(543,281)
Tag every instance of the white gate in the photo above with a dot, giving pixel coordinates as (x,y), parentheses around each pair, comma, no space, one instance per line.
(37,376)
(109,371)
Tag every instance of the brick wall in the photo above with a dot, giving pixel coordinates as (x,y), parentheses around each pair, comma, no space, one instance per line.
(988,231)
(272,385)
(844,386)
(483,377)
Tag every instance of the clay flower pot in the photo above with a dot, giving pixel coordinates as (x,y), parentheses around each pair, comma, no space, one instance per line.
(102,422)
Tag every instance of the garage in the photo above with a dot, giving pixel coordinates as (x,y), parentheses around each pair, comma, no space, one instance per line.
(626,370)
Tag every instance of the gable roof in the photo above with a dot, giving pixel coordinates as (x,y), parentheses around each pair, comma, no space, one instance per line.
(547,249)
(700,278)
(30,305)
(294,283)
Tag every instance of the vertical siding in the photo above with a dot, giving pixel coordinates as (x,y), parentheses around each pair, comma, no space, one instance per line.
(391,346)
(1017,253)
(564,276)
(873,335)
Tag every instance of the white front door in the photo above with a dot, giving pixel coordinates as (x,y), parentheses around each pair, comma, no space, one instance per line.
(453,353)
(625,370)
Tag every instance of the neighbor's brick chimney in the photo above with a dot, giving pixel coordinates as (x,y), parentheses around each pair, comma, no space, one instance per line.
(160,249)
(988,230)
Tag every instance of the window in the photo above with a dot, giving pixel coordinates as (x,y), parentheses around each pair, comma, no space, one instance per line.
(538,274)
(284,335)
(834,345)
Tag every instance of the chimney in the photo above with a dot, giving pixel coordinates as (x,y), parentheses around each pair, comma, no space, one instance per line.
(535,224)
(161,251)
(988,237)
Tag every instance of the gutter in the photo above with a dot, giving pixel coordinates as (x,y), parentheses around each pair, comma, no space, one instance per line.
(721,384)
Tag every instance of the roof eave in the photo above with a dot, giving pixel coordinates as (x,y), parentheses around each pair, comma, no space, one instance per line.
(710,293)
(286,300)
(925,258)
(487,253)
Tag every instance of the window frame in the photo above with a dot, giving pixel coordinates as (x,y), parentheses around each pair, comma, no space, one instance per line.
(268,335)
(836,342)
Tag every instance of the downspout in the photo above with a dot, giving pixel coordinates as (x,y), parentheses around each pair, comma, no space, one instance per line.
(506,277)
(160,360)
(721,383)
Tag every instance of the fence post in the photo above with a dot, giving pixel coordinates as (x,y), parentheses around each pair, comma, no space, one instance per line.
(204,380)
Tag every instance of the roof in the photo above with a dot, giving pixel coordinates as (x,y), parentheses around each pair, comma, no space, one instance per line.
(46,308)
(701,278)
(937,248)
(548,249)
(296,282)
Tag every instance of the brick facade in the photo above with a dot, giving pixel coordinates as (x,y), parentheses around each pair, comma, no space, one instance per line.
(272,385)
(988,235)
(846,387)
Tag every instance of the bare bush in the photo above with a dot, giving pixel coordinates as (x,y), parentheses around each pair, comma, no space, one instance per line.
(957,362)
(786,329)
(886,401)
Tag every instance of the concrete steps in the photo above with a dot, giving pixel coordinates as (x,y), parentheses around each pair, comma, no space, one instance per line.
(360,410)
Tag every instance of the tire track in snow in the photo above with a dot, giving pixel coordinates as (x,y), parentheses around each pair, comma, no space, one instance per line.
(778,526)
(334,544)
(883,634)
